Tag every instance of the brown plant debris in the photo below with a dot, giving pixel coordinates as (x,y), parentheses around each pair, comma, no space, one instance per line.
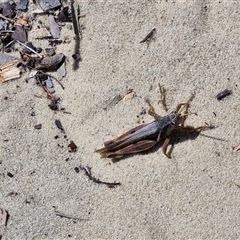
(88,172)
(223,94)
(72,146)
(9,71)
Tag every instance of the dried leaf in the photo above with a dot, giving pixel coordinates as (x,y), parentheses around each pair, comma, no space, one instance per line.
(59,124)
(5,216)
(47,5)
(7,9)
(9,71)
(63,15)
(20,34)
(51,63)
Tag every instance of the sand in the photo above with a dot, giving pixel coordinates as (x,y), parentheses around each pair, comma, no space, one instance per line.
(193,195)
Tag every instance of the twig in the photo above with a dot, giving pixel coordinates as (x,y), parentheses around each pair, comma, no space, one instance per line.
(69,217)
(30,49)
(236,148)
(91,177)
(76,31)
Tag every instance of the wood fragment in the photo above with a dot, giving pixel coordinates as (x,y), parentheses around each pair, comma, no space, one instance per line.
(9,71)
(235,149)
(5,217)
(23,21)
(75,11)
(238,185)
(129,96)
(149,36)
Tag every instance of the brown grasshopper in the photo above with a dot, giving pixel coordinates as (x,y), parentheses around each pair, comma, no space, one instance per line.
(145,136)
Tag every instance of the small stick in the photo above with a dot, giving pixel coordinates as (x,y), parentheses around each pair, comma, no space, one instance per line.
(30,49)
(6,31)
(77,33)
(5,18)
(149,36)
(91,177)
(223,94)
(162,97)
(9,43)
(69,217)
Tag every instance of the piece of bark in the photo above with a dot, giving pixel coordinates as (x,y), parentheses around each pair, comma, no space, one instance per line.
(19,34)
(9,71)
(54,28)
(236,148)
(51,63)
(23,21)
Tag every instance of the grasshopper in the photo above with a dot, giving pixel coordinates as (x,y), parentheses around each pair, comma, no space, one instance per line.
(145,136)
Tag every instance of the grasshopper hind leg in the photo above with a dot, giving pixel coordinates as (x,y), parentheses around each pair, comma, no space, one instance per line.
(165,146)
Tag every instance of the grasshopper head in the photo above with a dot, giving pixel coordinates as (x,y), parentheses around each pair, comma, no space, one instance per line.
(174,118)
